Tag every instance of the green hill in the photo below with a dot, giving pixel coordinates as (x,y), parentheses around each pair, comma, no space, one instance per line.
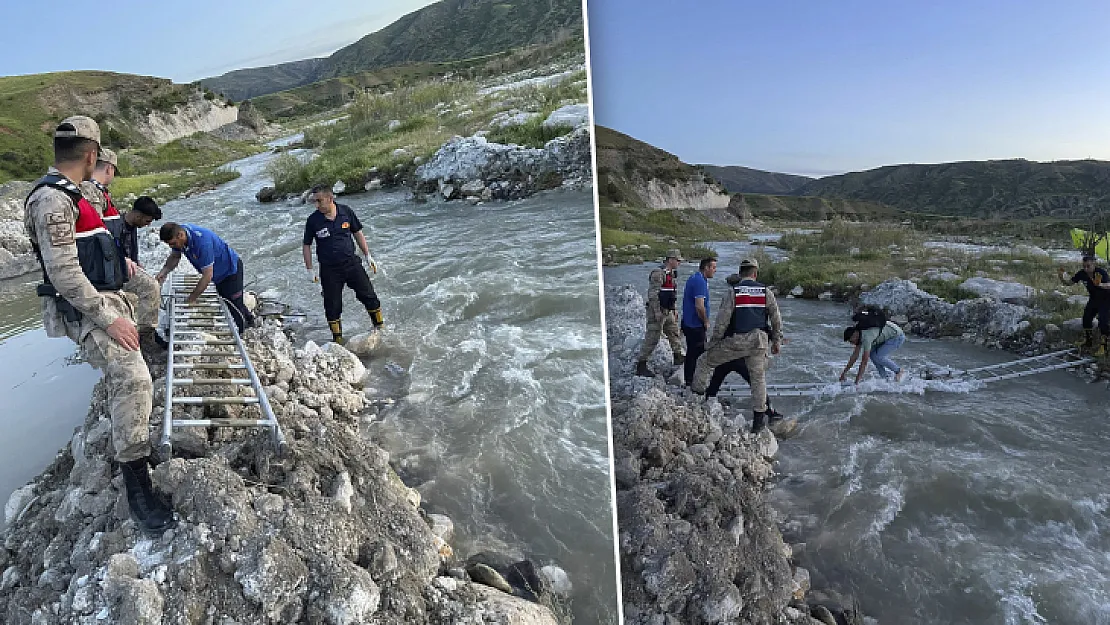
(739,179)
(985,189)
(450,30)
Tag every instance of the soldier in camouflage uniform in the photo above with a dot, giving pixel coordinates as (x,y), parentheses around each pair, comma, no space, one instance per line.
(81,299)
(747,322)
(662,312)
(141,284)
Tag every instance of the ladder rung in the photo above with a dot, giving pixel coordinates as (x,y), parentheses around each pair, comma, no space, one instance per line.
(207,365)
(202,342)
(196,381)
(196,352)
(177,423)
(214,400)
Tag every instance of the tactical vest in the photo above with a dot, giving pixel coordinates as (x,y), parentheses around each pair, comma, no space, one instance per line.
(749,308)
(97,250)
(668,295)
(111,217)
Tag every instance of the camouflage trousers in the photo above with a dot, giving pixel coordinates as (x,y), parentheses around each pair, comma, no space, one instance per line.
(149,292)
(655,329)
(130,393)
(752,347)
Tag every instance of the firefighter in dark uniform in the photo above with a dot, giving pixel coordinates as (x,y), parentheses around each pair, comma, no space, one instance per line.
(335,228)
(662,312)
(1097,281)
(83,274)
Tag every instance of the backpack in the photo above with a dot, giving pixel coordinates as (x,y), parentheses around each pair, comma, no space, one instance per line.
(869,317)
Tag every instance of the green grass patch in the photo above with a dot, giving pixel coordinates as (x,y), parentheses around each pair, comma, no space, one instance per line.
(198,150)
(950,291)
(531,134)
(178,182)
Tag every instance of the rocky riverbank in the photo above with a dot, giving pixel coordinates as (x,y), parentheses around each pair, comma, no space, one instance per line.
(16,257)
(327,534)
(698,543)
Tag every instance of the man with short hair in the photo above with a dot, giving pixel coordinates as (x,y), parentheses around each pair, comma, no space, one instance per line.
(662,314)
(1097,281)
(695,314)
(143,212)
(81,299)
(335,228)
(96,190)
(749,319)
(216,261)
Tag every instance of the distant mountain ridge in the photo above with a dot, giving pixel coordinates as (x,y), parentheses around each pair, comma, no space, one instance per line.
(995,189)
(448,30)
(738,179)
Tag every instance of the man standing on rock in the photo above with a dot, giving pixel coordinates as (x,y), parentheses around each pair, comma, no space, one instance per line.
(695,314)
(662,316)
(335,228)
(1097,282)
(81,299)
(748,321)
(216,261)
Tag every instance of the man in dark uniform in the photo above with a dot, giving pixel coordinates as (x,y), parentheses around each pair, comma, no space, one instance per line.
(335,228)
(216,261)
(1097,282)
(82,299)
(144,212)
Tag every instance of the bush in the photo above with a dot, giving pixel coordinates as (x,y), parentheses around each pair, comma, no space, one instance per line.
(530,134)
(289,173)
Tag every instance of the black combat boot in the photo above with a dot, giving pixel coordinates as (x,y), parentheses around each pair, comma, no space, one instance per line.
(147,509)
(679,359)
(1087,345)
(759,419)
(642,369)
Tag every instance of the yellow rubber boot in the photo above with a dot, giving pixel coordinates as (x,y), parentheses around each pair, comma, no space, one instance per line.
(376,317)
(1102,348)
(337,331)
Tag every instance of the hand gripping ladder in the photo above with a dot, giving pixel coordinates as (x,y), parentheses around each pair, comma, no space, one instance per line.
(188,325)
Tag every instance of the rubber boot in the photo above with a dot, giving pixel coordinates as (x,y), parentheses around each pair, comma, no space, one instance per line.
(1103,348)
(147,509)
(642,369)
(679,359)
(759,419)
(337,331)
(376,317)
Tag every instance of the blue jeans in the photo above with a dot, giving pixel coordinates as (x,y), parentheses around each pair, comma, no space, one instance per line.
(881,356)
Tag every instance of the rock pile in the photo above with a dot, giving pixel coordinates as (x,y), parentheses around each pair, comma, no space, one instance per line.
(328,534)
(16,257)
(697,542)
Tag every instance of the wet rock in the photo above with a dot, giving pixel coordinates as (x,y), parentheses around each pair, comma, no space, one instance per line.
(485,574)
(339,187)
(797,291)
(555,579)
(373,185)
(18,501)
(266,194)
(474,188)
(1009,292)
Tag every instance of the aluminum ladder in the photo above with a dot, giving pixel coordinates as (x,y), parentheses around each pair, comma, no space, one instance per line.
(188,325)
(1054,361)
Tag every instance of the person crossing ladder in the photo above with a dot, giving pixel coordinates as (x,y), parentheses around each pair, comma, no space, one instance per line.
(335,228)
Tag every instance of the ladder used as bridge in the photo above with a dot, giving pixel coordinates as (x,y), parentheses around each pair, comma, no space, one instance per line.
(1034,365)
(200,333)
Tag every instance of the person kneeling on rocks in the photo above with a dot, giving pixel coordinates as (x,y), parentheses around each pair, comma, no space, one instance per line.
(747,321)
(83,275)
(877,338)
(1097,282)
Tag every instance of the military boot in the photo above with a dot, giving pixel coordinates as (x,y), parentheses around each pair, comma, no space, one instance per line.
(337,331)
(679,359)
(759,419)
(147,509)
(642,369)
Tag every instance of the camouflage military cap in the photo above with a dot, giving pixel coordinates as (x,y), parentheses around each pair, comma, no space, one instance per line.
(79,126)
(675,253)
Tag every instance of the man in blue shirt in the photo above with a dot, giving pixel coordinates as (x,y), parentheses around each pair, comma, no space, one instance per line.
(216,262)
(335,229)
(695,314)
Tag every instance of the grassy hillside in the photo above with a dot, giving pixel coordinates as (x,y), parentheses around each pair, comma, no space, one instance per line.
(794,208)
(987,189)
(30,106)
(624,164)
(449,30)
(739,179)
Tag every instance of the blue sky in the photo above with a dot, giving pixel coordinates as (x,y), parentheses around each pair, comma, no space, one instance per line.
(185,41)
(816,87)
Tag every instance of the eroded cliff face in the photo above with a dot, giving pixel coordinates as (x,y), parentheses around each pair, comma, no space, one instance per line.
(692,193)
(198,115)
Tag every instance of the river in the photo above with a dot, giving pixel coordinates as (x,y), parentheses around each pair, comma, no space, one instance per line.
(489,384)
(986,507)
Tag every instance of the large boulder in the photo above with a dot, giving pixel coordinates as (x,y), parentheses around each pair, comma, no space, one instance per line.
(985,317)
(569,116)
(1009,292)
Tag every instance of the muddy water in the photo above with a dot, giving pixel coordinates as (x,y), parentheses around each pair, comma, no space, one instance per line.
(946,505)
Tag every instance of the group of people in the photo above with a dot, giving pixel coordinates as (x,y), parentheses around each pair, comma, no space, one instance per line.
(746,331)
(748,327)
(96,292)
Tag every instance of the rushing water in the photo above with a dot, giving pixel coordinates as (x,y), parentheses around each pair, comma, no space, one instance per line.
(488,386)
(984,507)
